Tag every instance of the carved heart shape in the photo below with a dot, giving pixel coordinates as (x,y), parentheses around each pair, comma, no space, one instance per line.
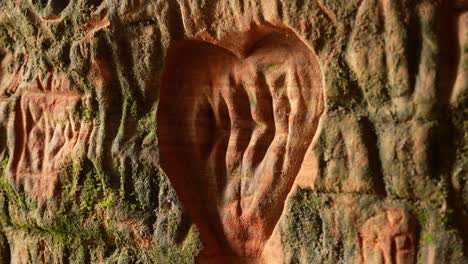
(233,132)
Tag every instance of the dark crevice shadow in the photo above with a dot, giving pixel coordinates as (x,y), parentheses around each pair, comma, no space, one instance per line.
(5,250)
(449,51)
(448,135)
(265,101)
(414,44)
(19,139)
(110,116)
(56,7)
(371,142)
(40,3)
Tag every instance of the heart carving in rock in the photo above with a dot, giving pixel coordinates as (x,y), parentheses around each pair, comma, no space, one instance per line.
(235,119)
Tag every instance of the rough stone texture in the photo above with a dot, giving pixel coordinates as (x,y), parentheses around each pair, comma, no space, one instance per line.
(240,131)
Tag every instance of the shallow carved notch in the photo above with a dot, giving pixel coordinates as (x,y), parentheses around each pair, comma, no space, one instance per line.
(235,120)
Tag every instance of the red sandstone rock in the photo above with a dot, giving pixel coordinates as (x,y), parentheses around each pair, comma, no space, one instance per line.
(243,131)
(242,121)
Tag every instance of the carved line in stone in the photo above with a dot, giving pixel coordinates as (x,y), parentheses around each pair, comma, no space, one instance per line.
(388,238)
(47,134)
(233,132)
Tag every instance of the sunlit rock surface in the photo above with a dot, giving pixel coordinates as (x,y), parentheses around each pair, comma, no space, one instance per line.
(245,131)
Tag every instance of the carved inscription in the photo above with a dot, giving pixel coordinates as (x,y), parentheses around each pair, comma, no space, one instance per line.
(387,238)
(235,120)
(47,134)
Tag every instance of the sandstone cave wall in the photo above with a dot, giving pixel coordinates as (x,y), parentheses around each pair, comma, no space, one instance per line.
(377,165)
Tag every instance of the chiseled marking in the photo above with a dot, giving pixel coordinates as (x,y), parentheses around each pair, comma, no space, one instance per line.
(234,127)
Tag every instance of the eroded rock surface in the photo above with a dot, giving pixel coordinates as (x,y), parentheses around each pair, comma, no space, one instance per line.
(243,131)
(48,134)
(388,238)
